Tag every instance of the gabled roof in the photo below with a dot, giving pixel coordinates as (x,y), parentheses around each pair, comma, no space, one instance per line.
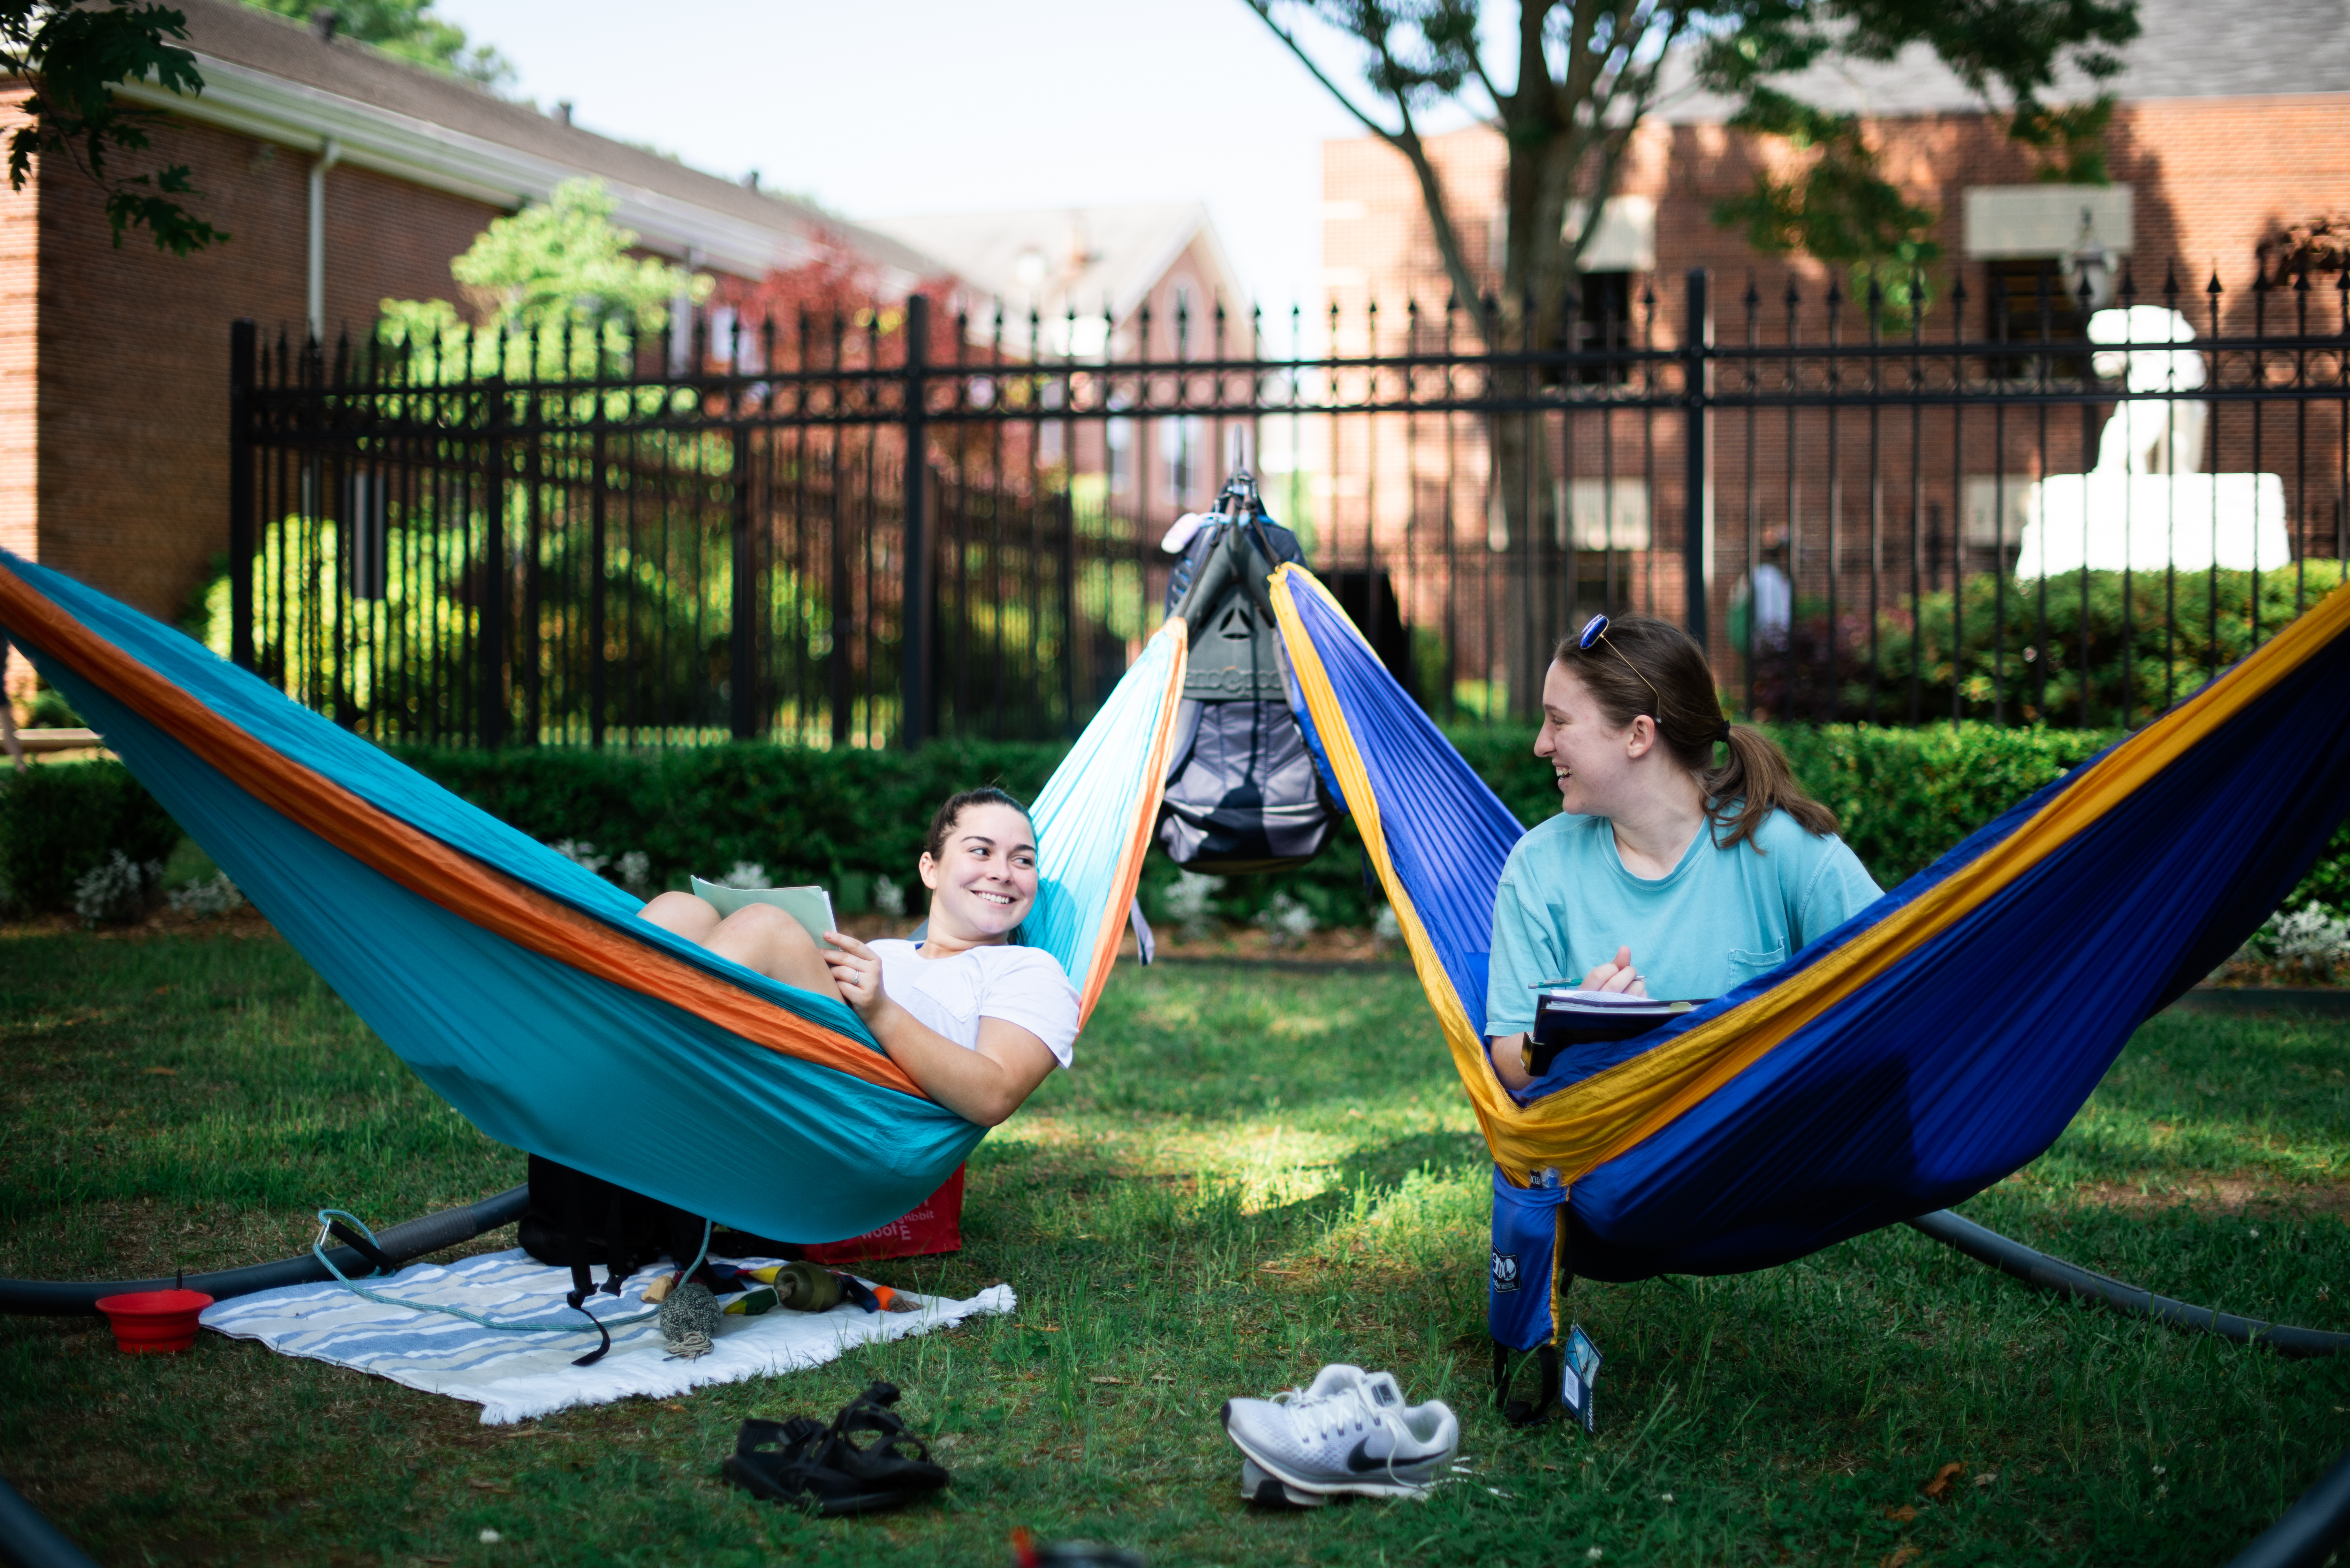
(2185,49)
(1057,259)
(269,77)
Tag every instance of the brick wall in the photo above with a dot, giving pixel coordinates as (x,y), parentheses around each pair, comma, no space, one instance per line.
(132,348)
(19,364)
(2211,179)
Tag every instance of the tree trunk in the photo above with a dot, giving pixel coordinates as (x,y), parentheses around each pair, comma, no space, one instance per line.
(1538,274)
(1521,482)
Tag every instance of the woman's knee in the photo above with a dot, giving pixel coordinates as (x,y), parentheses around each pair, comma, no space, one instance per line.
(683,913)
(768,931)
(762,937)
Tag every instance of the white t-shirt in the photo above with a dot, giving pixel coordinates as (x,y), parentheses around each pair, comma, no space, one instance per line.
(1020,985)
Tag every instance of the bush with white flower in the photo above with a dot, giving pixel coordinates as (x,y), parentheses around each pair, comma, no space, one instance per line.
(1286,921)
(206,900)
(2313,938)
(2303,947)
(119,889)
(632,870)
(1191,901)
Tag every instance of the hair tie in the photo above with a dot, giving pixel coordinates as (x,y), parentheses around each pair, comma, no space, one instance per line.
(1722,734)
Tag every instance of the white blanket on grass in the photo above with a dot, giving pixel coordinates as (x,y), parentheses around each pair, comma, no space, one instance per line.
(515,1376)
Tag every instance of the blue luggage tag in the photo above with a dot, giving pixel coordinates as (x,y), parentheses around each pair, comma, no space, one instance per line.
(1575,1376)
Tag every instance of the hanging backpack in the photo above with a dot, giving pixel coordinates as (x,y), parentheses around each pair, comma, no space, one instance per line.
(1243,792)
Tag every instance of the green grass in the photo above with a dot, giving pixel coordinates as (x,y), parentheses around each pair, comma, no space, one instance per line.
(1253,1172)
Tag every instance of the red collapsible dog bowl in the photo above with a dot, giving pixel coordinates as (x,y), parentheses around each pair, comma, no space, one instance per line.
(149,1322)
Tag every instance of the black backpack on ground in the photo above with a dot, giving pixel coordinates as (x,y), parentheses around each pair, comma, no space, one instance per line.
(1243,792)
(576,1220)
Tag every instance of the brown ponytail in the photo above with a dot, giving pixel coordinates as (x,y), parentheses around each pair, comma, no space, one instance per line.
(1641,666)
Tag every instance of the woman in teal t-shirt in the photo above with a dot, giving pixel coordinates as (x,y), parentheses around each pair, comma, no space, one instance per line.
(1663,875)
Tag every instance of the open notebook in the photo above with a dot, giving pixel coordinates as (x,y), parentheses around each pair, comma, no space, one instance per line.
(811,907)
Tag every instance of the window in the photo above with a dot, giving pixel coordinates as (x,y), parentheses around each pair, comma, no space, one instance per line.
(2026,301)
(1118,434)
(1603,322)
(1184,438)
(1051,433)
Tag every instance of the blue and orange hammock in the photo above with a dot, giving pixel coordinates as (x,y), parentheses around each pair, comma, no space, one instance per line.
(1929,1046)
(522,987)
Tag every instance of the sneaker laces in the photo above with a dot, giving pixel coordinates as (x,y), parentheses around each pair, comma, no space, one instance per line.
(1306,1399)
(1362,1415)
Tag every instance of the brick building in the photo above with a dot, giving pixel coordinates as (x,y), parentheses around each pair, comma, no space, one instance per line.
(2230,126)
(1083,282)
(344,177)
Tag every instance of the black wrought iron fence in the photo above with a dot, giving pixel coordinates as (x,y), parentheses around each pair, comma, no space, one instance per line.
(870,530)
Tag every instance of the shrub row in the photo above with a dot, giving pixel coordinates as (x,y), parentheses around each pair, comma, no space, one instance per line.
(60,823)
(845,818)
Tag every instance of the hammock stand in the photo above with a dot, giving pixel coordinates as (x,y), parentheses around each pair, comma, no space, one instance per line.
(275,793)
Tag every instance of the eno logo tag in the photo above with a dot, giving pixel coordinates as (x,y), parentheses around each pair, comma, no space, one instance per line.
(1505,1271)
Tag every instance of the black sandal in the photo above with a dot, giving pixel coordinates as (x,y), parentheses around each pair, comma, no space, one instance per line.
(786,1462)
(805,1462)
(880,1465)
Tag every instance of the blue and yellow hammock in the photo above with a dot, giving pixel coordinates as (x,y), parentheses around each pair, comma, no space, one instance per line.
(1938,1041)
(522,987)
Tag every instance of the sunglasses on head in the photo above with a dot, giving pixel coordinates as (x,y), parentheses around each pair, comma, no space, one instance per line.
(1596,630)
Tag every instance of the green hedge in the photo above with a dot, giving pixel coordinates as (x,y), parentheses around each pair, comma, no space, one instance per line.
(1903,796)
(840,818)
(845,817)
(61,821)
(806,816)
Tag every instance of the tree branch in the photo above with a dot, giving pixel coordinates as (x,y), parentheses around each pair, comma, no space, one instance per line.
(1406,141)
(1264,9)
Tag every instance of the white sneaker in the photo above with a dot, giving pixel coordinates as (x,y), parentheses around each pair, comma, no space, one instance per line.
(1260,1486)
(1331,1380)
(1346,1433)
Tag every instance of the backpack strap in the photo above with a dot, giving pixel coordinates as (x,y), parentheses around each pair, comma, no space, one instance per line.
(622,1210)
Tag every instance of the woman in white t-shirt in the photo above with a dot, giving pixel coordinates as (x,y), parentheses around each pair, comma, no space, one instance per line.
(974,1020)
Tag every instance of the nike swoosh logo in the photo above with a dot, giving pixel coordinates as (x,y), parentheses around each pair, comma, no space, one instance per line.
(1360,1460)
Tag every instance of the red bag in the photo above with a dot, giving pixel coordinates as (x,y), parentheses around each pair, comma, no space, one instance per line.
(931,1226)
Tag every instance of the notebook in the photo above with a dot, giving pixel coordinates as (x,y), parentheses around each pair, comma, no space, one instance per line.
(811,907)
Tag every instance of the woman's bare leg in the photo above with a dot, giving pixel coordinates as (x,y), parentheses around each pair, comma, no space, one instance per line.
(762,937)
(690,918)
(758,935)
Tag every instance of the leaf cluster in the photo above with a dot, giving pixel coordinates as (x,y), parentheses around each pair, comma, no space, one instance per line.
(1998,49)
(554,266)
(1836,205)
(406,30)
(1589,71)
(73,55)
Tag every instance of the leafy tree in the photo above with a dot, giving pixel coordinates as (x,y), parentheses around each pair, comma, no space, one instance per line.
(73,55)
(555,274)
(1589,71)
(406,29)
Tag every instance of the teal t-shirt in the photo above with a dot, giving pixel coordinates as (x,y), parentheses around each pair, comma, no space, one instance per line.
(1723,916)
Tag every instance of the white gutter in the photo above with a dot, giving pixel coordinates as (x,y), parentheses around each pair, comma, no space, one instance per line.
(328,156)
(256,103)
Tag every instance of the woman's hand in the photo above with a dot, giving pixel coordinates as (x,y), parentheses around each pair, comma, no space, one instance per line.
(983,1083)
(1618,976)
(857,971)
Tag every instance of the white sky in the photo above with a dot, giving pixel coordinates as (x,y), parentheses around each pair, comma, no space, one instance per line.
(919,105)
